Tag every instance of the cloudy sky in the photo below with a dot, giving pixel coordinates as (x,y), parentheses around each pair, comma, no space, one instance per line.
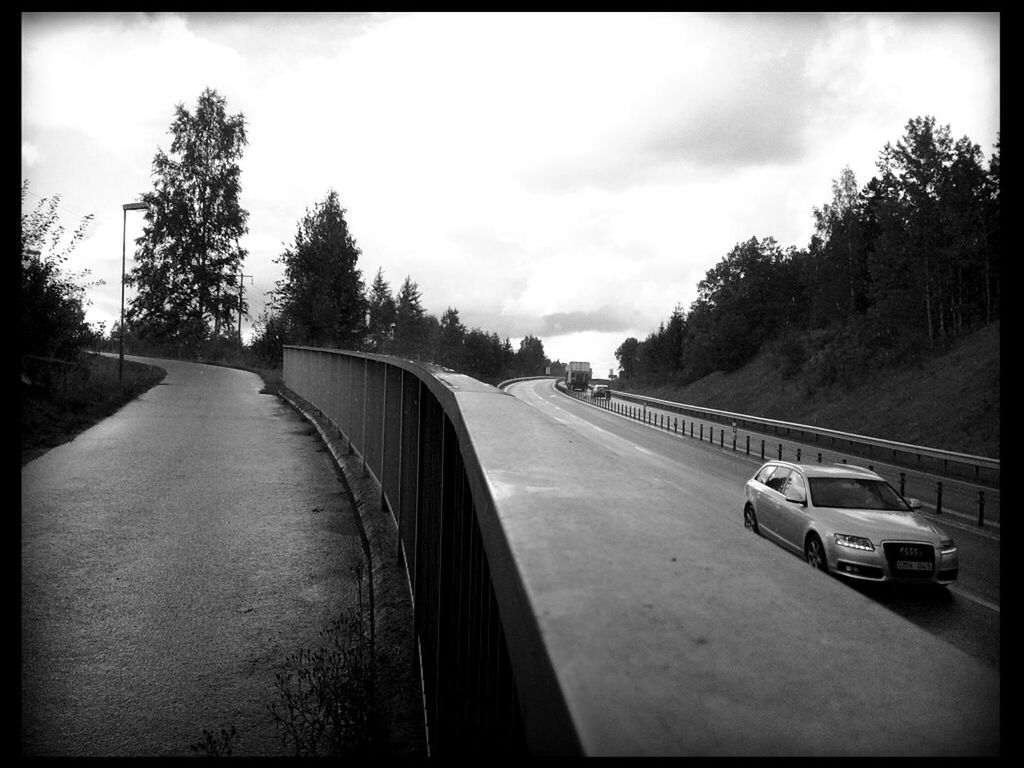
(570,176)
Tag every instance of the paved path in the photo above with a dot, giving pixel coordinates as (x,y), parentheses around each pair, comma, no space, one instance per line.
(172,557)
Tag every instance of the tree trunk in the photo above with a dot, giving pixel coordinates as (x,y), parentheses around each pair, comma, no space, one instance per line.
(928,300)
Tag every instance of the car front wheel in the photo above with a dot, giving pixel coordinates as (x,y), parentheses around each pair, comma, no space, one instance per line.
(814,550)
(750,519)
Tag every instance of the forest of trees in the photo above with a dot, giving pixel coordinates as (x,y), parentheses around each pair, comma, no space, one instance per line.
(187,272)
(390,322)
(323,301)
(906,264)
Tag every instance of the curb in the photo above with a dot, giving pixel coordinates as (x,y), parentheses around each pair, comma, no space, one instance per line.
(390,592)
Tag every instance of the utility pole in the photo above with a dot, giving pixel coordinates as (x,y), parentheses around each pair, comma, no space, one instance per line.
(241,281)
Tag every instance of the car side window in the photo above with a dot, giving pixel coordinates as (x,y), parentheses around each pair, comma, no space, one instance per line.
(777,482)
(764,473)
(796,488)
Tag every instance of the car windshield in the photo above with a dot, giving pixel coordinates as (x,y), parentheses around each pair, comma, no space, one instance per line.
(854,493)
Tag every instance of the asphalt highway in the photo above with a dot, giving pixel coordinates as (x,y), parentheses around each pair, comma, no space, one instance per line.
(966,615)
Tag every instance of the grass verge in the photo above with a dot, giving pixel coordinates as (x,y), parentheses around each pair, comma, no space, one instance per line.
(59,400)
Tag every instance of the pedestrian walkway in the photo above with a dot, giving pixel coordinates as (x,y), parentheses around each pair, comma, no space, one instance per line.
(172,556)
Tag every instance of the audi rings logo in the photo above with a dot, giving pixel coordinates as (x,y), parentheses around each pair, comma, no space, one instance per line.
(910,551)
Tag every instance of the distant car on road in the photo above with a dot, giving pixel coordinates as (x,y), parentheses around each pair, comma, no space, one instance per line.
(849,521)
(600,391)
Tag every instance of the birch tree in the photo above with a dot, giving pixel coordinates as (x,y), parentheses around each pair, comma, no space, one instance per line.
(189,257)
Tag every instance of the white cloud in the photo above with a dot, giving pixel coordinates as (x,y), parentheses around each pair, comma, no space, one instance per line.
(112,76)
(523,168)
(29,153)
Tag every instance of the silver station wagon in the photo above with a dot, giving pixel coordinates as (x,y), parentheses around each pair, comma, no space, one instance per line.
(849,521)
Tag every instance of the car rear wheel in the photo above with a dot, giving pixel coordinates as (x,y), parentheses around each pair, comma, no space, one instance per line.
(750,519)
(814,550)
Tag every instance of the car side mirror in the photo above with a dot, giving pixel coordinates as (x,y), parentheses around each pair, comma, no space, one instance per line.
(914,503)
(797,500)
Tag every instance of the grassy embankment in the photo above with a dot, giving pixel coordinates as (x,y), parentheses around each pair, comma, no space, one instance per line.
(949,402)
(59,402)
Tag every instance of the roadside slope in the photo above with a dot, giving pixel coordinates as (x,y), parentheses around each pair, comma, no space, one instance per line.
(949,401)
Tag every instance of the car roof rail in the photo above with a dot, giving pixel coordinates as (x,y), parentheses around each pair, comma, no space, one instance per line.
(843,465)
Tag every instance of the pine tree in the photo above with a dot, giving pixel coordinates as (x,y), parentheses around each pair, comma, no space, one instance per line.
(410,321)
(321,295)
(381,315)
(452,340)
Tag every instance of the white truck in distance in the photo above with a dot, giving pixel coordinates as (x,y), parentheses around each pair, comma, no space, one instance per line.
(577,376)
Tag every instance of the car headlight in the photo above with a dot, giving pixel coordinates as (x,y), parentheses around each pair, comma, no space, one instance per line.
(947,547)
(854,542)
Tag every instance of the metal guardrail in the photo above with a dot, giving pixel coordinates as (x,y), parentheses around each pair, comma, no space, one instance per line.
(488,684)
(556,615)
(977,469)
(964,495)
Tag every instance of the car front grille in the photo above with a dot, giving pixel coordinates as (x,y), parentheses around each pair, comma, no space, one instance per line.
(910,559)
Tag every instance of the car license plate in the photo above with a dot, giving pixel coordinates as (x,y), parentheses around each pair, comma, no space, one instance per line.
(912,565)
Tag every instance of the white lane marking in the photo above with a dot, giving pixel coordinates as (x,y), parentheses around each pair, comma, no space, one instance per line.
(579,419)
(953,588)
(585,422)
(974,598)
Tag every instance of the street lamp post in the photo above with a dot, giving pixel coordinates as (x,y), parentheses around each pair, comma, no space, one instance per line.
(124,228)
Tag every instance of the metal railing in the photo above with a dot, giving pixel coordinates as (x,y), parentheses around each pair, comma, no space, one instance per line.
(488,684)
(964,491)
(978,469)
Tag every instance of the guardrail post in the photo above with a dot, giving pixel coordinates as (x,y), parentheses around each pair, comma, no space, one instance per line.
(819,458)
(675,425)
(762,450)
(721,438)
(797,455)
(734,442)
(981,507)
(780,451)
(701,431)
(903,481)
(938,498)
(748,445)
